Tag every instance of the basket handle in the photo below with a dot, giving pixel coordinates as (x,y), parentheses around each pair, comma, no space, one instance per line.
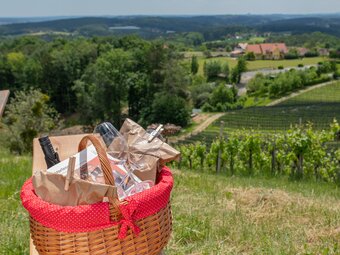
(104,161)
(105,165)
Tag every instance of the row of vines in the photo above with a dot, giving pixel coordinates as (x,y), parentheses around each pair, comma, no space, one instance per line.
(301,153)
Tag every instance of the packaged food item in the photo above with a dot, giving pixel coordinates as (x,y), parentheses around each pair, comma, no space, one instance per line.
(87,166)
(146,150)
(50,187)
(135,156)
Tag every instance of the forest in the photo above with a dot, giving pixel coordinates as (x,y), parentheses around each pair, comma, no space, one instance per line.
(213,27)
(99,77)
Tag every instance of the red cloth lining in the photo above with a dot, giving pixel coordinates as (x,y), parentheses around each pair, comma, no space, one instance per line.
(87,218)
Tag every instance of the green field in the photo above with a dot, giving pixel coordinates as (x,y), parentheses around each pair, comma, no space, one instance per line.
(211,214)
(14,170)
(256,39)
(318,106)
(232,215)
(260,64)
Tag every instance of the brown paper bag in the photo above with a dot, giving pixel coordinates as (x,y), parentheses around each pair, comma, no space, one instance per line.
(50,188)
(148,156)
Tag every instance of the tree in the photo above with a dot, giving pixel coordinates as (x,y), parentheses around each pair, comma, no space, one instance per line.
(212,69)
(222,95)
(64,65)
(27,116)
(16,62)
(335,54)
(140,94)
(103,88)
(226,71)
(292,54)
(194,38)
(167,108)
(250,56)
(6,76)
(200,94)
(238,70)
(194,65)
(176,79)
(257,85)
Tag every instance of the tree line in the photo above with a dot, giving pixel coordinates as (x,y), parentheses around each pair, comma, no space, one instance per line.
(287,82)
(100,78)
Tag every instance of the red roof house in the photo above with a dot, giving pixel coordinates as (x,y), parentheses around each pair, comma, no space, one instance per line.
(268,50)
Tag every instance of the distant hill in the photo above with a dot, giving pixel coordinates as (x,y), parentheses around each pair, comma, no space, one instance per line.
(328,25)
(12,20)
(153,26)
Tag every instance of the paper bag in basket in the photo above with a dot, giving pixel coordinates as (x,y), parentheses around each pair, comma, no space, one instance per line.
(148,156)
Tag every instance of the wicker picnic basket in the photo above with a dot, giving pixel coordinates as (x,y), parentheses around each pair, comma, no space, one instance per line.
(141,224)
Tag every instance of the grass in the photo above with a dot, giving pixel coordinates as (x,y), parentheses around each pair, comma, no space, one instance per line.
(232,215)
(212,214)
(14,170)
(256,101)
(327,94)
(257,39)
(261,64)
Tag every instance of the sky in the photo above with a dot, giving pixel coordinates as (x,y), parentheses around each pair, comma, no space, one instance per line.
(34,8)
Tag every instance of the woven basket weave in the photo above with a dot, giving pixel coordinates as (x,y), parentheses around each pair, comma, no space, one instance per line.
(154,232)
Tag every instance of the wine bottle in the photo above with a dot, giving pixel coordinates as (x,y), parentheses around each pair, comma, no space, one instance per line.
(51,157)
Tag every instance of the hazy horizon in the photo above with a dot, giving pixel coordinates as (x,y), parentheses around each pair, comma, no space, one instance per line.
(175,15)
(80,8)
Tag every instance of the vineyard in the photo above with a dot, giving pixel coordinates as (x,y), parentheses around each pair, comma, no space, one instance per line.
(318,106)
(300,153)
(252,142)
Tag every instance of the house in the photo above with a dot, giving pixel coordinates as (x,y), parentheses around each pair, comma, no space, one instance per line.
(242,46)
(268,50)
(302,51)
(256,49)
(239,50)
(323,52)
(236,53)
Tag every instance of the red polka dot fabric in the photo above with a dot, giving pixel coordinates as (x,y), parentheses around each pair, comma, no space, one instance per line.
(87,218)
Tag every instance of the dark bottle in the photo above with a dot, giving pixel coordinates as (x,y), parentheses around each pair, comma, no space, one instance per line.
(51,157)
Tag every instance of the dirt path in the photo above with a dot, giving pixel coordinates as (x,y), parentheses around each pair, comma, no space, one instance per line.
(197,129)
(278,101)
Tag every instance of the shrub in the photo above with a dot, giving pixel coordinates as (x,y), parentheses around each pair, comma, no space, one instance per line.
(280,67)
(212,69)
(300,65)
(250,56)
(257,84)
(28,115)
(168,108)
(311,54)
(221,94)
(207,108)
(194,65)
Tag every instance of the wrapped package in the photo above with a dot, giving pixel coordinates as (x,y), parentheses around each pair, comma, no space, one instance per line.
(134,156)
(50,187)
(147,156)
(87,167)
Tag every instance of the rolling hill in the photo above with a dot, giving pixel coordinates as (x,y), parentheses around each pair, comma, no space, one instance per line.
(159,25)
